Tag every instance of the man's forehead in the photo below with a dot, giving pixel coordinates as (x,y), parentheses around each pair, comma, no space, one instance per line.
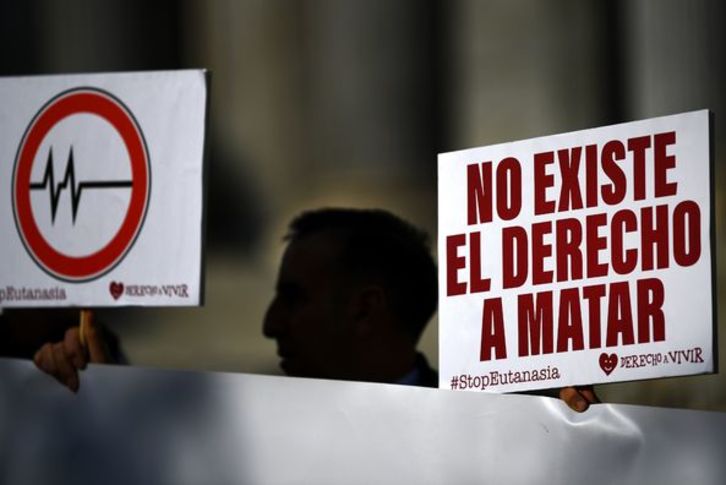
(318,252)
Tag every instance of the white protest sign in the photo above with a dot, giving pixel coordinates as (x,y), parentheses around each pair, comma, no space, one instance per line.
(130,426)
(578,258)
(102,189)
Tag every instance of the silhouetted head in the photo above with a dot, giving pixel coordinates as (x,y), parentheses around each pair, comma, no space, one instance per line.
(355,291)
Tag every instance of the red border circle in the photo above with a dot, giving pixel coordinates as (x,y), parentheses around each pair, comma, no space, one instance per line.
(100,103)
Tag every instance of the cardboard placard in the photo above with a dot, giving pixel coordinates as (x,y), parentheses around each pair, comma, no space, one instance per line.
(136,425)
(578,258)
(102,184)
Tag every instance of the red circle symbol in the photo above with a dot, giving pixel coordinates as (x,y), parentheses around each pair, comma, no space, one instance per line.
(90,266)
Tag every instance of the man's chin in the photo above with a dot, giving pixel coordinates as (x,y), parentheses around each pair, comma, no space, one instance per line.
(291,368)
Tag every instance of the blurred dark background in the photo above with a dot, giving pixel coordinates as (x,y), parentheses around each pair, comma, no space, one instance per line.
(345,102)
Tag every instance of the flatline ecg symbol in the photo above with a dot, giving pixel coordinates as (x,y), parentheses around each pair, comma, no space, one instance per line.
(48,183)
(97,261)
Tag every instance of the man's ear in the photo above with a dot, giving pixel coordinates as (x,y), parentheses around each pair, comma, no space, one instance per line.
(369,307)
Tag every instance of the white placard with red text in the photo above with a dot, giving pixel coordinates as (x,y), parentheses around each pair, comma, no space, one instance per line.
(102,189)
(578,258)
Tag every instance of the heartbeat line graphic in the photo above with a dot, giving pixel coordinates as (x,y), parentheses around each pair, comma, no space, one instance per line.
(48,183)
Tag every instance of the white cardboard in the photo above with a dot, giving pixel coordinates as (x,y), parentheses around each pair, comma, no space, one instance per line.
(688,306)
(114,125)
(134,425)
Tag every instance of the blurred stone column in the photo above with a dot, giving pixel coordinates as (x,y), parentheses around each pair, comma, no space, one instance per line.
(675,59)
(370,82)
(523,69)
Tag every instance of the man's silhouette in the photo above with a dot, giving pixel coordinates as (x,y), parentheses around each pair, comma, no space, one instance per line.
(355,291)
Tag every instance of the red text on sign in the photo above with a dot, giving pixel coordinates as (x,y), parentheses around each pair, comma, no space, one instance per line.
(607,159)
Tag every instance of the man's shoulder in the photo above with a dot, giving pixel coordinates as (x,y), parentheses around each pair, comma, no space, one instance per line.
(427,375)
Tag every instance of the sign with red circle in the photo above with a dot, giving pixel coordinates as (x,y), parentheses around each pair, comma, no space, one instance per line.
(99,260)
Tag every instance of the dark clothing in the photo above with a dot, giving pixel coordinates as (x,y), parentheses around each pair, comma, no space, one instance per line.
(422,374)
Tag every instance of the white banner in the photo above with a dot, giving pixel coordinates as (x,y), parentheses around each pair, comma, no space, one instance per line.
(102,185)
(578,258)
(129,425)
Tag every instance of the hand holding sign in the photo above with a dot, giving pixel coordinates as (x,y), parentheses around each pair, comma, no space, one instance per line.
(579,398)
(82,225)
(64,359)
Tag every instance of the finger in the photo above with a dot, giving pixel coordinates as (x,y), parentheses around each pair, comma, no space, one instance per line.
(38,357)
(94,339)
(73,348)
(44,359)
(65,372)
(574,399)
(588,392)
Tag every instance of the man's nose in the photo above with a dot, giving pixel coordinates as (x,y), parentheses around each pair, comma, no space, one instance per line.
(273,323)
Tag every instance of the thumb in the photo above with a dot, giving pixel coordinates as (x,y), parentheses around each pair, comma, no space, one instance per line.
(97,349)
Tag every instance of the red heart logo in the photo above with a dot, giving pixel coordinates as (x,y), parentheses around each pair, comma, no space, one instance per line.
(608,363)
(116,289)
